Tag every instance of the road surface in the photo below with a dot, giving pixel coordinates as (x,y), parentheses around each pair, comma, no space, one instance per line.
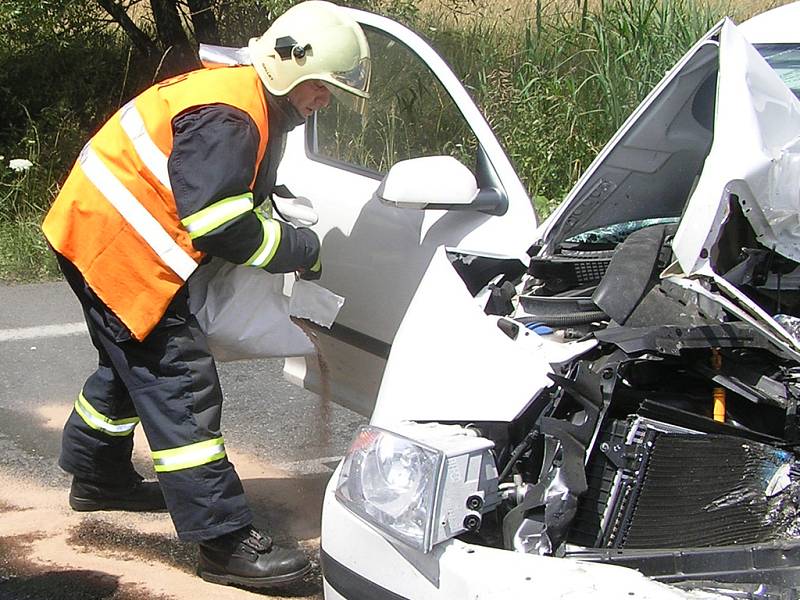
(282,440)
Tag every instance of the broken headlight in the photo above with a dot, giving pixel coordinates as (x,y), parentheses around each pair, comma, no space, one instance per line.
(390,482)
(424,487)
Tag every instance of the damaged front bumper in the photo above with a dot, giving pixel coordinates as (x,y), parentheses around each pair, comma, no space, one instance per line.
(360,563)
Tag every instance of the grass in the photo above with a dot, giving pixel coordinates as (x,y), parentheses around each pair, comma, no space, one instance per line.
(556,82)
(555,79)
(48,149)
(24,254)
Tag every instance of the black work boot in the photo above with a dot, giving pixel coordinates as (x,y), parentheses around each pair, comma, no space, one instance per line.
(248,558)
(137,496)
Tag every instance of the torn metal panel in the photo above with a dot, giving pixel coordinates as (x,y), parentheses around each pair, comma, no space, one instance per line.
(757,115)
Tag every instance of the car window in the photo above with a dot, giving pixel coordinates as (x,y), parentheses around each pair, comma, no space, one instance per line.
(785,59)
(409,115)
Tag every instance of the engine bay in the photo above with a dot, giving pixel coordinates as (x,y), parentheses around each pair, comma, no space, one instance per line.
(669,447)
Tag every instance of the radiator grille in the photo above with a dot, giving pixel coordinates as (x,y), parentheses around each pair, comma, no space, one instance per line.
(683,490)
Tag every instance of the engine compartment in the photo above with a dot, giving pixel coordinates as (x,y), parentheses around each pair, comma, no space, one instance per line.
(671,446)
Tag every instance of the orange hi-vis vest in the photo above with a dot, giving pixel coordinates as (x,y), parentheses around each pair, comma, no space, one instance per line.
(115,218)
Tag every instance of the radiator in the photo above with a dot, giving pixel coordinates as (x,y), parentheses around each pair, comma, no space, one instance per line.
(656,486)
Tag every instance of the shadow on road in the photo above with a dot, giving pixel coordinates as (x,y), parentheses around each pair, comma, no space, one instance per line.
(21,579)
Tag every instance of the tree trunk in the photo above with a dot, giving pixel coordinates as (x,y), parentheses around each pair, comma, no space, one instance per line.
(179,56)
(139,38)
(204,21)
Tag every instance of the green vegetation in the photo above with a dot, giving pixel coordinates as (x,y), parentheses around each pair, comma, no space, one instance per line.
(555,82)
(556,85)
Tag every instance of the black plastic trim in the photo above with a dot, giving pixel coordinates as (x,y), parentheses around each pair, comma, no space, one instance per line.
(350,584)
(776,563)
(354,338)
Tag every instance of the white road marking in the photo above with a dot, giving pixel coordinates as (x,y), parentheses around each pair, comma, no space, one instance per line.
(42,331)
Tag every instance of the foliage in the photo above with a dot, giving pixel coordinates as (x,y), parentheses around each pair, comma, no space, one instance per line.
(410,114)
(557,84)
(555,78)
(24,255)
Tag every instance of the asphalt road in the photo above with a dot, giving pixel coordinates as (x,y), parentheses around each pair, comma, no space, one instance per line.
(283,441)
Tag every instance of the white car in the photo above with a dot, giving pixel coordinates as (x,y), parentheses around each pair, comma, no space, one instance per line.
(604,406)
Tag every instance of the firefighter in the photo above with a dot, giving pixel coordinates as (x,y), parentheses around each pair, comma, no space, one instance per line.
(172,178)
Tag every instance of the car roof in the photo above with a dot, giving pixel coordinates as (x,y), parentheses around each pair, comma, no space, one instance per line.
(777,26)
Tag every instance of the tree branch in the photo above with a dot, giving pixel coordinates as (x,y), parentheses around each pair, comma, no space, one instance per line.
(139,38)
(179,54)
(204,21)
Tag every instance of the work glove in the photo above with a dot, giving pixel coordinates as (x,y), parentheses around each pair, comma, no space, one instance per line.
(313,273)
(312,269)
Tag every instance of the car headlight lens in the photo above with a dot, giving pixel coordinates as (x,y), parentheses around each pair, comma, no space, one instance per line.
(390,481)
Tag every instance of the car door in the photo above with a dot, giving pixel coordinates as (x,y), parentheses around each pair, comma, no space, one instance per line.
(374,254)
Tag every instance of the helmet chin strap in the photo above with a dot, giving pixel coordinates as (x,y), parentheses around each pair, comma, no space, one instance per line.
(289,117)
(293,117)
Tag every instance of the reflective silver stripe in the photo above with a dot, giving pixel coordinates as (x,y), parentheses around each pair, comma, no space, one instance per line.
(269,245)
(134,213)
(152,156)
(99,422)
(186,457)
(222,55)
(216,215)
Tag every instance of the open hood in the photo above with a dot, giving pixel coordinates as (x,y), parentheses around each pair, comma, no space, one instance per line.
(649,166)
(720,123)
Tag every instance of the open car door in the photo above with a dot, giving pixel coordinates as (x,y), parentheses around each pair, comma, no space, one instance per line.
(374,253)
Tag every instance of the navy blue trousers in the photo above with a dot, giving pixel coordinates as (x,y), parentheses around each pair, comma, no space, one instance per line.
(170,382)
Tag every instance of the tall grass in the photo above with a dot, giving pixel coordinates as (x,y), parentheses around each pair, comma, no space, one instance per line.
(557,82)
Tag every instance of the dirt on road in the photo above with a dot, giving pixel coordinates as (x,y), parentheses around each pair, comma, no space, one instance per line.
(49,552)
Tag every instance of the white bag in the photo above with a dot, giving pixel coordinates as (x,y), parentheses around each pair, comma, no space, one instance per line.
(244,313)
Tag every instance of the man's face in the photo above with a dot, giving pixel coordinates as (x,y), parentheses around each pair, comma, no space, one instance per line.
(309,96)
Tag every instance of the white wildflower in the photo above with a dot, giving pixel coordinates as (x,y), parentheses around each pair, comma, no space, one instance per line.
(19,164)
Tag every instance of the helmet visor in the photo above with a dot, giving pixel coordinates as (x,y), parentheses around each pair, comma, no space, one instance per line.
(351,88)
(348,99)
(356,80)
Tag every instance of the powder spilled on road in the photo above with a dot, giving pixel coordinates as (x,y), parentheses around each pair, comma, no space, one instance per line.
(96,535)
(5,507)
(324,416)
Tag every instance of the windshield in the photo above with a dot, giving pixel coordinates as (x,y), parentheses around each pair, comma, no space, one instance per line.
(785,59)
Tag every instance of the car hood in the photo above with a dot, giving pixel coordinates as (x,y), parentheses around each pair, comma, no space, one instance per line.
(720,126)
(720,115)
(754,162)
(648,168)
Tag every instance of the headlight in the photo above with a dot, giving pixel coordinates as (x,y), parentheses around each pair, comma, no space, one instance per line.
(421,491)
(390,481)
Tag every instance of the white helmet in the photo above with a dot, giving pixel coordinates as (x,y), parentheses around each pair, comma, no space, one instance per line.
(314,40)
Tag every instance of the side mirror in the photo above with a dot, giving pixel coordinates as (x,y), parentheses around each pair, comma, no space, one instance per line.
(438,182)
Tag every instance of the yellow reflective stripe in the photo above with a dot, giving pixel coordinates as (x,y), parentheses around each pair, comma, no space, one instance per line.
(317,265)
(95,420)
(266,209)
(186,457)
(269,245)
(216,215)
(134,213)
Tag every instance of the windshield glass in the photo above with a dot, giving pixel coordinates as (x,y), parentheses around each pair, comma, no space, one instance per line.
(785,59)
(617,233)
